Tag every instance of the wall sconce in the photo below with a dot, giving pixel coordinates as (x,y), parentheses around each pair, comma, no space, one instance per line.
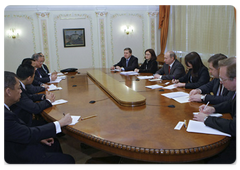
(13,33)
(127,29)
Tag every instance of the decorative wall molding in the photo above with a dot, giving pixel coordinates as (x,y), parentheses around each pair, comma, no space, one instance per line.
(45,41)
(30,19)
(59,17)
(101,14)
(43,14)
(153,29)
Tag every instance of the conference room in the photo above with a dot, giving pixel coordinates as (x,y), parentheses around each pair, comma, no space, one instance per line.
(122,115)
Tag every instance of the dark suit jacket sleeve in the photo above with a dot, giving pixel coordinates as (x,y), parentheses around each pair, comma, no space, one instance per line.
(161,70)
(152,67)
(208,88)
(132,64)
(121,62)
(203,78)
(27,104)
(224,125)
(219,99)
(16,131)
(34,89)
(176,72)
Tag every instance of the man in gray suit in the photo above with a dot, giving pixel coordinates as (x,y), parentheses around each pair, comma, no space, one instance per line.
(172,68)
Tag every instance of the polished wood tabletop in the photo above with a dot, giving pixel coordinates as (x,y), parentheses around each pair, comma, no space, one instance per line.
(143,132)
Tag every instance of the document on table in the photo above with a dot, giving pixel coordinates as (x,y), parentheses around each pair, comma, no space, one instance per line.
(169,87)
(74,120)
(115,69)
(62,77)
(56,81)
(129,73)
(213,114)
(145,77)
(60,101)
(200,127)
(154,79)
(180,97)
(53,87)
(156,86)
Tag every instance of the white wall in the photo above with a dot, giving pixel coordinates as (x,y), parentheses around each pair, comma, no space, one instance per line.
(42,30)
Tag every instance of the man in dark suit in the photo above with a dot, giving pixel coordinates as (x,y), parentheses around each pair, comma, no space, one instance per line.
(221,94)
(227,76)
(35,87)
(172,68)
(23,144)
(40,74)
(128,62)
(27,106)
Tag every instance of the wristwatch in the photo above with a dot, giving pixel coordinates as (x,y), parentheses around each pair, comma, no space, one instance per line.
(203,97)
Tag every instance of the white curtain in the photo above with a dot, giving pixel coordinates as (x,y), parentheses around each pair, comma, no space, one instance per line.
(205,29)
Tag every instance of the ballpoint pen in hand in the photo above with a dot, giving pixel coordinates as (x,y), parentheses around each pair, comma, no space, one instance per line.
(206,105)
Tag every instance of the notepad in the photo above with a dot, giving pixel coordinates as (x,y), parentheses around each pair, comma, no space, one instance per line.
(60,101)
(52,87)
(74,119)
(156,86)
(129,73)
(145,77)
(154,79)
(172,86)
(213,114)
(200,127)
(56,81)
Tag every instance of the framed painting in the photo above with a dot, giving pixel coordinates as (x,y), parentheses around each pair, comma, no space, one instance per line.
(74,37)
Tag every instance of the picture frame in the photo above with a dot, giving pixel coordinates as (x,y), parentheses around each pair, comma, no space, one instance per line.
(74,37)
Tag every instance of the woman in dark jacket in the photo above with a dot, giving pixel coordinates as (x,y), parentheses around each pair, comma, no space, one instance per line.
(150,64)
(197,75)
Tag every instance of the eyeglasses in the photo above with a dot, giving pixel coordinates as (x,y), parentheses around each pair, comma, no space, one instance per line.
(222,80)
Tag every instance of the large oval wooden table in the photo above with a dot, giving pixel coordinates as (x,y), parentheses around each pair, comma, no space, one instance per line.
(144,132)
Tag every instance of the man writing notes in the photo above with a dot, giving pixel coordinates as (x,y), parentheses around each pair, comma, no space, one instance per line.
(24,144)
(172,68)
(221,94)
(227,76)
(128,62)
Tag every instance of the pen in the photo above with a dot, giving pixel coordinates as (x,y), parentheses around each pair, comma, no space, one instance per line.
(88,117)
(206,105)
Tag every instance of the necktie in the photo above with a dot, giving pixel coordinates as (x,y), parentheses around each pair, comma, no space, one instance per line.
(127,63)
(44,69)
(220,90)
(168,69)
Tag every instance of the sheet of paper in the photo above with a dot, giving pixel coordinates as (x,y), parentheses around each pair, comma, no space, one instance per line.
(115,69)
(60,74)
(179,125)
(156,86)
(56,81)
(74,119)
(213,114)
(60,101)
(175,94)
(129,73)
(53,87)
(62,77)
(183,99)
(145,77)
(154,79)
(200,127)
(169,87)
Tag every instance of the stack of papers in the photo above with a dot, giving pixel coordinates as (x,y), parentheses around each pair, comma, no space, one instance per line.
(74,120)
(145,77)
(53,87)
(200,127)
(213,114)
(129,73)
(56,81)
(115,69)
(180,97)
(156,86)
(60,101)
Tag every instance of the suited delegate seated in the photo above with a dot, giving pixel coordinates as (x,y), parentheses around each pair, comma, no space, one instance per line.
(41,74)
(24,144)
(27,106)
(172,68)
(128,62)
(220,93)
(227,76)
